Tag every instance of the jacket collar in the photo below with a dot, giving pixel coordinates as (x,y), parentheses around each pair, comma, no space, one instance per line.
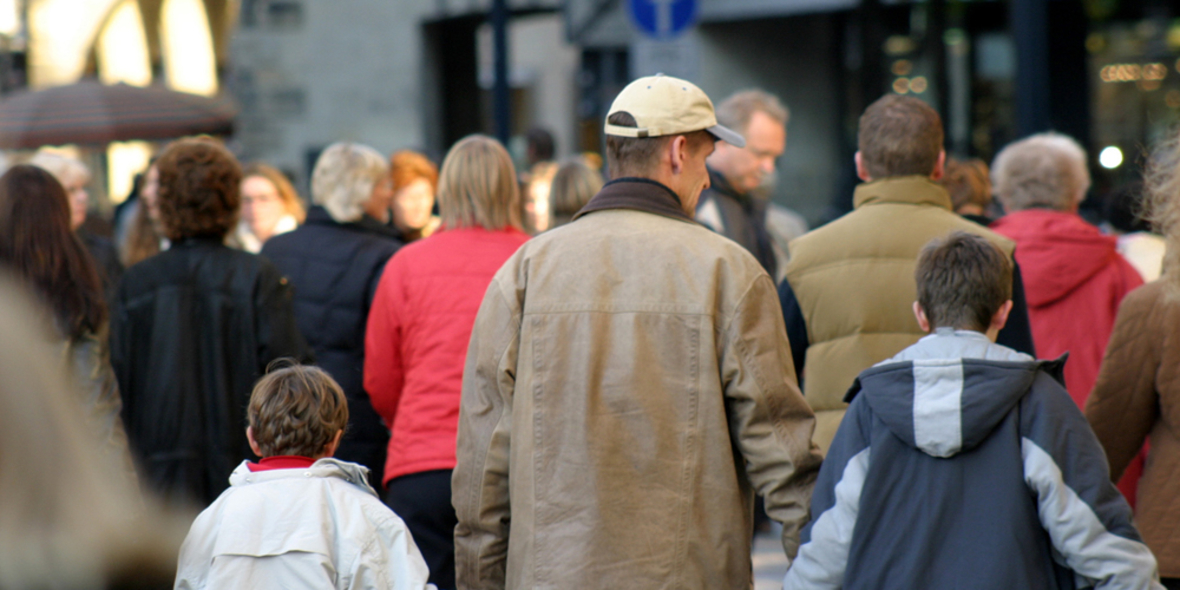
(640,194)
(907,190)
(353,473)
(318,215)
(719,183)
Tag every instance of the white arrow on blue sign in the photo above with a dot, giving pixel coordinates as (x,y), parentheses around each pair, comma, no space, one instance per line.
(663,18)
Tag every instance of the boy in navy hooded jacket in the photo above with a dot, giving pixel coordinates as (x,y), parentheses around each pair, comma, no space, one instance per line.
(965,464)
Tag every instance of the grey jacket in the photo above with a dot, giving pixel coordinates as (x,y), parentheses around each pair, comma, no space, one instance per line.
(964,464)
(628,387)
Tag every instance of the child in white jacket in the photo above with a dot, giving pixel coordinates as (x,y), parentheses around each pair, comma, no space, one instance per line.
(299,518)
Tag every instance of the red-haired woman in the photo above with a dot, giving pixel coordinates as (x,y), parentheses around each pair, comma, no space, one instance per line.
(38,242)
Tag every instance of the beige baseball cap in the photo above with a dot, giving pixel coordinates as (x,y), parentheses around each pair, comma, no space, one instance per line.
(663,105)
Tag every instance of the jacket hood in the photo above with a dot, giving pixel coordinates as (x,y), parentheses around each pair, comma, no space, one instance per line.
(353,473)
(1059,249)
(946,393)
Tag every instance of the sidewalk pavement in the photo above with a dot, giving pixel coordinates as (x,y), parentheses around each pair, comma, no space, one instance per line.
(770,565)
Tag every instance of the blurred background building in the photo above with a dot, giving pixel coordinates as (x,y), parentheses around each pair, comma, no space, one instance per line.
(423,73)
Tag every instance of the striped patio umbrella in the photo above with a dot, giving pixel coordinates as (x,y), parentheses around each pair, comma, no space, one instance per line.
(92,113)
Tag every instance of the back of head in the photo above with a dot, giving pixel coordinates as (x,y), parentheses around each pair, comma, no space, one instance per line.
(408,166)
(37,242)
(573,186)
(478,187)
(282,184)
(296,410)
(968,183)
(541,147)
(735,112)
(200,189)
(1046,170)
(963,280)
(343,179)
(70,515)
(899,136)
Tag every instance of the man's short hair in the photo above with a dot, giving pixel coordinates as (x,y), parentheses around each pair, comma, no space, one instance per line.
(1046,170)
(963,280)
(296,410)
(638,156)
(199,194)
(899,136)
(735,112)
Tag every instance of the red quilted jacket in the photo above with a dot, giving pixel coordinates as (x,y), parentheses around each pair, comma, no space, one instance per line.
(417,336)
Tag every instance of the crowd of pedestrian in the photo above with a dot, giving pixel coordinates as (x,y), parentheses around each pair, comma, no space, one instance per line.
(478,376)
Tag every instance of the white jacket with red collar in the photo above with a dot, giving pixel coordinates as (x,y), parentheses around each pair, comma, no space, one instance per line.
(319,527)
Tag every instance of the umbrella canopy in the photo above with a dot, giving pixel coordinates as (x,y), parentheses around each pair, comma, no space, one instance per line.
(92,113)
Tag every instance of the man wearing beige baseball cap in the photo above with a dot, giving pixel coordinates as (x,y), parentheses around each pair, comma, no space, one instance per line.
(629,384)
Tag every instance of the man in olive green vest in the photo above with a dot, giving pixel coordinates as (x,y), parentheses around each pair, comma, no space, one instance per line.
(850,286)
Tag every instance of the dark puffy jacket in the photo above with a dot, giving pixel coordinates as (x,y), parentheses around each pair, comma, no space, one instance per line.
(192,329)
(334,268)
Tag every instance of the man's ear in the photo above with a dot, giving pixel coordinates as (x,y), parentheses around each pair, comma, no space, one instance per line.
(939,167)
(253,443)
(861,171)
(678,151)
(920,313)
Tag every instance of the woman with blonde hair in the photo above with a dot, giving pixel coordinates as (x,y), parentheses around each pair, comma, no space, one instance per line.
(145,238)
(419,327)
(334,261)
(1137,395)
(270,206)
(415,182)
(572,187)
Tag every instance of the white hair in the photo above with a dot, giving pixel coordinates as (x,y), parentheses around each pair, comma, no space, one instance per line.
(1043,170)
(344,177)
(64,168)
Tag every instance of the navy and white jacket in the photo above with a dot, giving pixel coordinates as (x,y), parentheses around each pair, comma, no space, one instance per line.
(965,464)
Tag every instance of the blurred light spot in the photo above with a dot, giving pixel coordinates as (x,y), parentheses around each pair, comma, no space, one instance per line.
(122,48)
(918,85)
(901,85)
(1110,157)
(902,67)
(188,47)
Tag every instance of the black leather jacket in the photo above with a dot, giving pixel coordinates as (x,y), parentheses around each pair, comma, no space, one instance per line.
(192,329)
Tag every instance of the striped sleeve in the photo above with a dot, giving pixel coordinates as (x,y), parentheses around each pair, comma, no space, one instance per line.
(1087,519)
(835,503)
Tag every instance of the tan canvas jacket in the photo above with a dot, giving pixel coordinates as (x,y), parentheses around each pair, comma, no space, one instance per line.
(628,385)
(854,280)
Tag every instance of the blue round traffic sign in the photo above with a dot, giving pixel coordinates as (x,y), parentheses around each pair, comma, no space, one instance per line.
(663,18)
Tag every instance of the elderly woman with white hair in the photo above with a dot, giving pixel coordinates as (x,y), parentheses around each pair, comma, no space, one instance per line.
(334,262)
(1074,277)
(74,176)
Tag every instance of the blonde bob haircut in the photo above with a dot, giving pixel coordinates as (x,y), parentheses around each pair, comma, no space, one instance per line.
(344,177)
(1046,170)
(477,186)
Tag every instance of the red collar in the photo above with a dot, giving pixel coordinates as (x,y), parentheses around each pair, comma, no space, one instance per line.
(281,462)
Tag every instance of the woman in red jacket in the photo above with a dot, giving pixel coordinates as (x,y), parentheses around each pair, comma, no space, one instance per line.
(417,336)
(1074,277)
